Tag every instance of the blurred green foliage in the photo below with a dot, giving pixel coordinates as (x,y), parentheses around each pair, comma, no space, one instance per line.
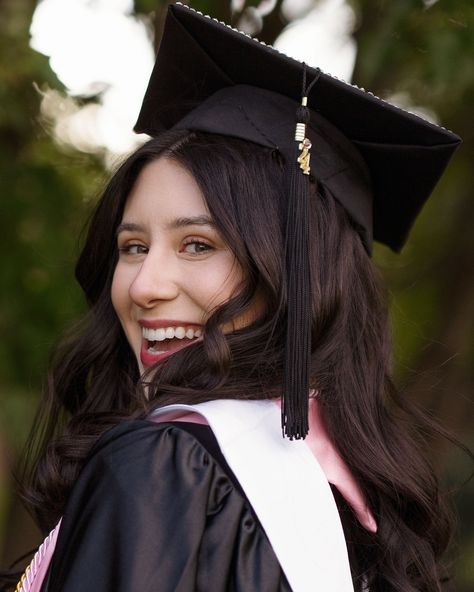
(422,51)
(45,193)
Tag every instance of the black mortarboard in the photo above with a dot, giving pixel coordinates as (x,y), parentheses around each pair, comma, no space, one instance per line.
(380,162)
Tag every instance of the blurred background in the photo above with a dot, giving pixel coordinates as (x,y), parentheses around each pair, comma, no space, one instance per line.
(72,75)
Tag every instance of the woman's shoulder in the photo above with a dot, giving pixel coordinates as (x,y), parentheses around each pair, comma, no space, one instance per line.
(142,448)
(154,499)
(131,435)
(136,432)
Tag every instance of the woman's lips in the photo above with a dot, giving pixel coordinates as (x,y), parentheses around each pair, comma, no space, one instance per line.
(161,339)
(148,357)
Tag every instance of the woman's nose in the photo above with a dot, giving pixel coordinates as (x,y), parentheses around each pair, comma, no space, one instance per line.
(155,281)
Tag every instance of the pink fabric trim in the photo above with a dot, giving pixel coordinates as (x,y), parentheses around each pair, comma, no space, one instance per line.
(336,470)
(38,567)
(190,417)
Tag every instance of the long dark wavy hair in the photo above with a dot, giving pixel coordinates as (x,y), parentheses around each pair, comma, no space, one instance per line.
(94,381)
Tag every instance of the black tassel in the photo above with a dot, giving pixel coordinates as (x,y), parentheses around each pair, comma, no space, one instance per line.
(298,333)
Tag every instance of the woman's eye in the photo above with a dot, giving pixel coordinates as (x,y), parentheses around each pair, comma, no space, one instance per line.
(196,247)
(133,249)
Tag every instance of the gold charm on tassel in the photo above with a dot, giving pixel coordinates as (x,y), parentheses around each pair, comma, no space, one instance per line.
(304,157)
(304,144)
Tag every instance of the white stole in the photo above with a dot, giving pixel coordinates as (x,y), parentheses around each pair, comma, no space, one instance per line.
(287,489)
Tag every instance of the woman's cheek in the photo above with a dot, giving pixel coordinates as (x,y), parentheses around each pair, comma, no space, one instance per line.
(215,284)
(120,290)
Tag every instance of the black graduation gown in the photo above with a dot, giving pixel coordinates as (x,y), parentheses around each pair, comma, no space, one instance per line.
(156,508)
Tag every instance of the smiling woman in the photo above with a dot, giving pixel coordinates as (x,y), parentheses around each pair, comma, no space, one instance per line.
(224,418)
(186,259)
(173,268)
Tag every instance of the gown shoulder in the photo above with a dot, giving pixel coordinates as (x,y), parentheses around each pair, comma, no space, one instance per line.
(156,508)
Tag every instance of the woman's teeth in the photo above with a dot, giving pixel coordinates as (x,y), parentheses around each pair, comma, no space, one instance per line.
(170,333)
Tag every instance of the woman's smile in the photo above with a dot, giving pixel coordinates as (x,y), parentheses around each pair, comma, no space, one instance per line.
(161,338)
(173,266)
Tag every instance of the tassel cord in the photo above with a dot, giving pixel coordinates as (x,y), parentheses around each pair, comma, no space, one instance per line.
(298,335)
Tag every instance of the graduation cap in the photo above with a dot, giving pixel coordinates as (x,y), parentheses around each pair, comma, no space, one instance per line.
(379,162)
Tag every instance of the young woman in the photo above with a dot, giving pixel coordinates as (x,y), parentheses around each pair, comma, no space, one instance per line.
(229,288)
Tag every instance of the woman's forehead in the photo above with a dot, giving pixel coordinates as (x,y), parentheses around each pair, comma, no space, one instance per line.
(167,193)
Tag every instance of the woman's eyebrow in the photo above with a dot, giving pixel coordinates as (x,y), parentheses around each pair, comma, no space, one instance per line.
(130,226)
(172,225)
(190,221)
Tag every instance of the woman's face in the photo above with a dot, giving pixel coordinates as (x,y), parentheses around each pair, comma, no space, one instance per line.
(173,267)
